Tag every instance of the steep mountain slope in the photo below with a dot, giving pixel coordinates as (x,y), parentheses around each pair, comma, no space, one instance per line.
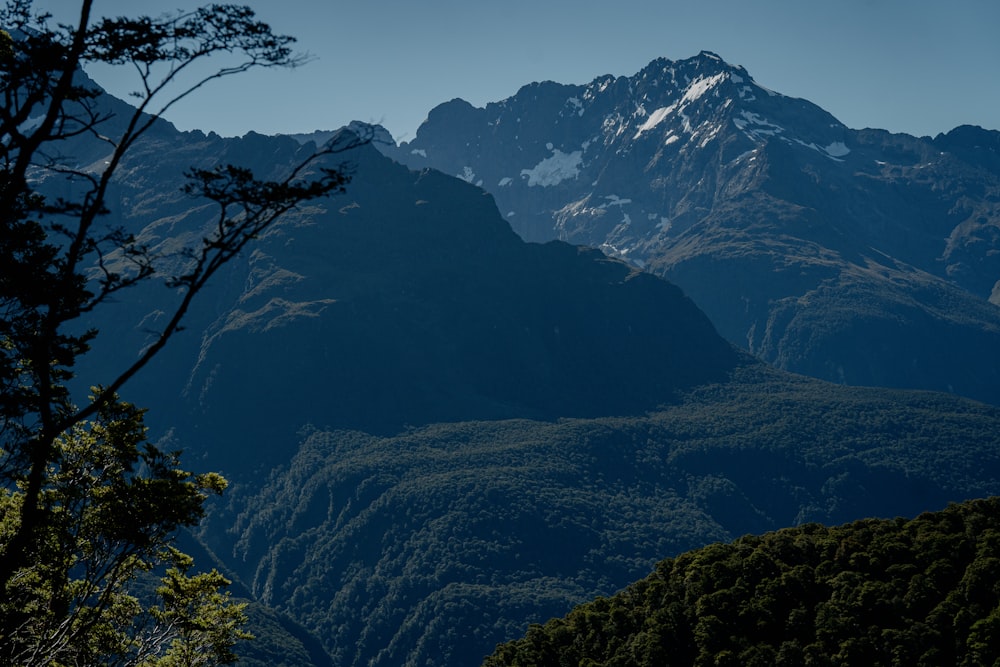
(855,256)
(431,546)
(408,301)
(891,592)
(597,422)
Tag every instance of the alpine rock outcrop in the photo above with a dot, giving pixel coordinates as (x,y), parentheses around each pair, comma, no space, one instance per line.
(857,256)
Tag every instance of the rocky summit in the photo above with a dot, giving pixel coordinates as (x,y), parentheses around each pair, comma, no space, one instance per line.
(857,256)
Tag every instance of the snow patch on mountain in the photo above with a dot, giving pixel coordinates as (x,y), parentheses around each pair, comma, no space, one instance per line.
(554,169)
(614,200)
(695,90)
(701,86)
(575,106)
(708,135)
(745,91)
(614,125)
(837,149)
(469,176)
(757,125)
(655,119)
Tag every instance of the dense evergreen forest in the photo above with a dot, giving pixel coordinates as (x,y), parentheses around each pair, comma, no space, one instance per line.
(435,433)
(431,546)
(924,591)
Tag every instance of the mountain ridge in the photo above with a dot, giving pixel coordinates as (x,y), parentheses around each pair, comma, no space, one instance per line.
(591,403)
(411,290)
(772,215)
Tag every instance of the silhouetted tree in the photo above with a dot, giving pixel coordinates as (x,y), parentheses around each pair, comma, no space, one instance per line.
(72,474)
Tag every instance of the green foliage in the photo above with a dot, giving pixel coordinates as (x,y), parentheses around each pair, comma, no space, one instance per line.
(87,505)
(111,506)
(206,624)
(438,543)
(873,592)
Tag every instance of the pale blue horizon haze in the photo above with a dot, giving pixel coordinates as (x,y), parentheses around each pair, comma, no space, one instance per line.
(921,67)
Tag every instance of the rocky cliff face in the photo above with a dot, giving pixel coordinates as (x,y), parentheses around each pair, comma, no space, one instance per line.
(861,257)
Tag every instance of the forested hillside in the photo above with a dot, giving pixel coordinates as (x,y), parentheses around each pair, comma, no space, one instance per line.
(433,545)
(874,592)
(436,432)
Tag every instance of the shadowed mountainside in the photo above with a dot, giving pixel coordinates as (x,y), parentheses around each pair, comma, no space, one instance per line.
(433,545)
(439,433)
(856,256)
(408,301)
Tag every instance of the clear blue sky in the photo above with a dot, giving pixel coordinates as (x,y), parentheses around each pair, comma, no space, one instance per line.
(916,66)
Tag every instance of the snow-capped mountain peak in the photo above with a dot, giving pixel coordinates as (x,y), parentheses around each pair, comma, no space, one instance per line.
(694,171)
(566,138)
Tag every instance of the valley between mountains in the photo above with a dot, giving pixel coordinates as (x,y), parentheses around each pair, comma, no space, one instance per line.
(549,343)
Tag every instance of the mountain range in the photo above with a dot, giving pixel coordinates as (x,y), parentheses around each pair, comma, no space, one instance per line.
(857,256)
(439,433)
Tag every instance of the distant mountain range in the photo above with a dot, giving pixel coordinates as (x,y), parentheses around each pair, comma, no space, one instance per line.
(856,256)
(439,433)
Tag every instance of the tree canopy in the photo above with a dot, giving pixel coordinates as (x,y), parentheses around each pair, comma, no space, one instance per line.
(873,592)
(86,504)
